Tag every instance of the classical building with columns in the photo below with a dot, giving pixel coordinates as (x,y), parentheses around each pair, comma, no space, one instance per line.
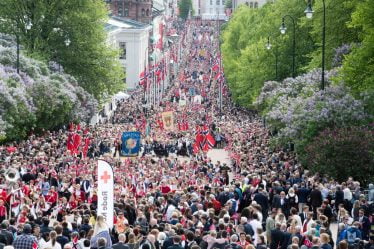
(250,3)
(131,38)
(211,9)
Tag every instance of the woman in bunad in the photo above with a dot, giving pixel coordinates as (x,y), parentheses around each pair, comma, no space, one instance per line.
(101,230)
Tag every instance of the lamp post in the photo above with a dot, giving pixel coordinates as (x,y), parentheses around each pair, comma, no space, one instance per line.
(268,47)
(283,30)
(309,14)
(28,27)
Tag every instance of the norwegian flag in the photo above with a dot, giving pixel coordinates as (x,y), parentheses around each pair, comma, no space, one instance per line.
(205,146)
(210,141)
(70,142)
(183,125)
(215,67)
(86,145)
(76,142)
(142,79)
(35,245)
(196,148)
(218,76)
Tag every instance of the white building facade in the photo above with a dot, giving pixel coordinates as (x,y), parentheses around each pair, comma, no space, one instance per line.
(250,3)
(213,10)
(132,39)
(197,7)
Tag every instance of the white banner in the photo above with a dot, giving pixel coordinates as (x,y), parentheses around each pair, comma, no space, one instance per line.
(105,192)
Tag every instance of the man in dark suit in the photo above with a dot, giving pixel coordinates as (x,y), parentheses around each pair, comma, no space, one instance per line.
(364,224)
(176,241)
(339,197)
(121,242)
(302,195)
(61,238)
(263,201)
(7,235)
(304,215)
(276,237)
(315,200)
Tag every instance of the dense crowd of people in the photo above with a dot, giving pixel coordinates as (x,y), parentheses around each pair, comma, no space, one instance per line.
(170,196)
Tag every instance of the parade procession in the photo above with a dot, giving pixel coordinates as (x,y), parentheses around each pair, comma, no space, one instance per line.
(174,166)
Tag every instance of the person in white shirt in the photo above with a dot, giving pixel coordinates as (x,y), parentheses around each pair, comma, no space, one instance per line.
(347,194)
(256,225)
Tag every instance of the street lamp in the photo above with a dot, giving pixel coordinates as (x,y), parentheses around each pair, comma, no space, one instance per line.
(309,14)
(67,42)
(268,44)
(309,11)
(283,30)
(28,27)
(268,47)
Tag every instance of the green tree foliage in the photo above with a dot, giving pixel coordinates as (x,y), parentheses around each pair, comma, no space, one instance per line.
(247,62)
(342,153)
(251,27)
(338,15)
(185,6)
(358,67)
(88,57)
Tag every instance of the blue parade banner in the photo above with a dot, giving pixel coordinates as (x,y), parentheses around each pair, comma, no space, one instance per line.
(130,143)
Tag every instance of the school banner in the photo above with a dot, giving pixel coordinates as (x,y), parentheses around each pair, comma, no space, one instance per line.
(130,143)
(168,120)
(105,204)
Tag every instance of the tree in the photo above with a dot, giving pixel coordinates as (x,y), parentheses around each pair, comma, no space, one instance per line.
(185,6)
(70,33)
(342,153)
(358,67)
(338,15)
(246,61)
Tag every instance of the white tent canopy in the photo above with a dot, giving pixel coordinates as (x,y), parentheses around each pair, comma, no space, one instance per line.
(121,95)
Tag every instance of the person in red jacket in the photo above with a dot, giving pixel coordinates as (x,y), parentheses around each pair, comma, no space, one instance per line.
(164,188)
(51,197)
(3,211)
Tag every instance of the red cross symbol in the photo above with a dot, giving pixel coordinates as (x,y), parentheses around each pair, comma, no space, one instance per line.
(105,177)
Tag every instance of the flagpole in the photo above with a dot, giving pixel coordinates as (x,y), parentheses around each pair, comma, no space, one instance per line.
(145,75)
(154,81)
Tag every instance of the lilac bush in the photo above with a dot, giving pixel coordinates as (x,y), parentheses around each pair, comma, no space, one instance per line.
(340,52)
(304,86)
(298,110)
(39,97)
